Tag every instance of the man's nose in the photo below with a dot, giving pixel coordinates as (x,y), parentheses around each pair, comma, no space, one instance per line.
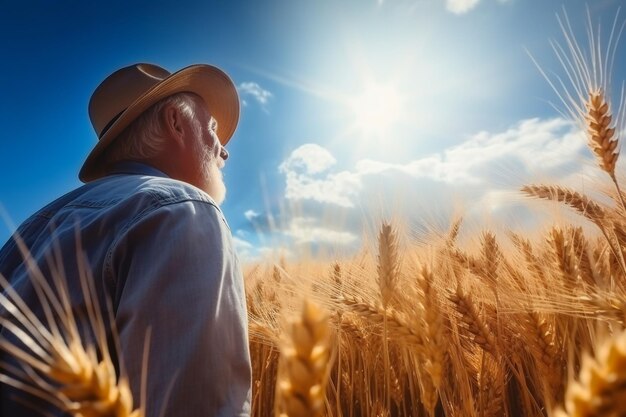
(224,153)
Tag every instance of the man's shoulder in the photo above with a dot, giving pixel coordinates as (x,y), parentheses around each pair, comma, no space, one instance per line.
(138,196)
(167,190)
(127,196)
(144,189)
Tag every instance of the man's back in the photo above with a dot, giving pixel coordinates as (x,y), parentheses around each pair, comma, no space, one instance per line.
(160,253)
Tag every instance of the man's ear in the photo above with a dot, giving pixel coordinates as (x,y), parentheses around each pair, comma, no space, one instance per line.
(172,120)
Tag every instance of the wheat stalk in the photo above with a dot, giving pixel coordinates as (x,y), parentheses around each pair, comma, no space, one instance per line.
(474,323)
(388,277)
(491,381)
(305,365)
(581,252)
(544,346)
(388,262)
(432,321)
(399,328)
(491,254)
(585,206)
(453,232)
(434,346)
(532,262)
(561,248)
(579,202)
(602,139)
(587,97)
(601,388)
(55,364)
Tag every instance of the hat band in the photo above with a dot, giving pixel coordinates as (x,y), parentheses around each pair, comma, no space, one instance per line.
(108,125)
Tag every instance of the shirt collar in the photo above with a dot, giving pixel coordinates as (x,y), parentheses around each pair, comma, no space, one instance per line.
(136,168)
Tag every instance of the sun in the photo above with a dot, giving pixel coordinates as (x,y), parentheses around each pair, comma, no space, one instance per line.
(376,109)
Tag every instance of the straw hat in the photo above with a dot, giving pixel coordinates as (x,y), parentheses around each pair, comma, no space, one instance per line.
(128,92)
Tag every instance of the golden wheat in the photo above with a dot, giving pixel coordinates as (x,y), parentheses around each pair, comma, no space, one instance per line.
(305,365)
(602,139)
(601,387)
(56,365)
(436,330)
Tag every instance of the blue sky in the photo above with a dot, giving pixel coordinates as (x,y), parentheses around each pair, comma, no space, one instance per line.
(352,110)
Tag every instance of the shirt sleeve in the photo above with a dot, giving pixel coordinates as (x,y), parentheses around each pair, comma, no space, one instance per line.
(175,272)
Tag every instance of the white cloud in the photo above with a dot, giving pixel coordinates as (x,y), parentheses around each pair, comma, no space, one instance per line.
(483,173)
(250,253)
(245,250)
(251,214)
(241,244)
(339,189)
(531,146)
(303,169)
(253,89)
(460,6)
(276,253)
(309,158)
(306,230)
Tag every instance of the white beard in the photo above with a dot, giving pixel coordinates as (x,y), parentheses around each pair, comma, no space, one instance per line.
(212,178)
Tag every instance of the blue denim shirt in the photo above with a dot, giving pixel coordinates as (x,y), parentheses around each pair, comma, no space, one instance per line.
(161,252)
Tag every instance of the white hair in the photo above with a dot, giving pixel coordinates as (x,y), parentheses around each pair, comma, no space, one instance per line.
(145,137)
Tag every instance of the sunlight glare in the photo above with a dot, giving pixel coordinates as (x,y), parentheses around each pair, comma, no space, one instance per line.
(376,109)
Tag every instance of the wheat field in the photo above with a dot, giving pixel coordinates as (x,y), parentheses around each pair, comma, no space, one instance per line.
(520,327)
(511,325)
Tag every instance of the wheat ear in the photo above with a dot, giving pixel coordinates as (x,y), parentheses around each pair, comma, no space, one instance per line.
(399,328)
(55,364)
(453,232)
(562,251)
(435,349)
(579,202)
(601,388)
(305,365)
(388,262)
(474,323)
(491,381)
(432,321)
(388,277)
(602,139)
(492,256)
(532,262)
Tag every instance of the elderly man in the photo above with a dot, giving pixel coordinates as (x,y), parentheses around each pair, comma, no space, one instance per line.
(156,242)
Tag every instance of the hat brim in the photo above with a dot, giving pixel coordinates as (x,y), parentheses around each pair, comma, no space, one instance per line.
(209,82)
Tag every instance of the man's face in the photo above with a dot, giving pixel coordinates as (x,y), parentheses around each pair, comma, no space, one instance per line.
(209,152)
